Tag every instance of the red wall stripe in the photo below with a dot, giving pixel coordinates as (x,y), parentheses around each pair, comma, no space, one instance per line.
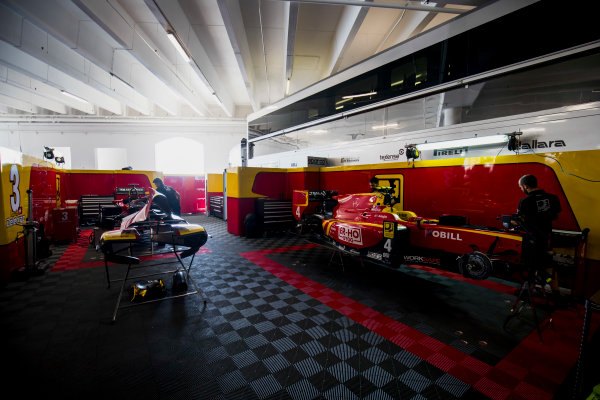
(533,370)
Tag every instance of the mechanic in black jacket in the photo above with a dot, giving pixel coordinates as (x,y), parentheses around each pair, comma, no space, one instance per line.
(172,195)
(373,184)
(535,214)
(389,198)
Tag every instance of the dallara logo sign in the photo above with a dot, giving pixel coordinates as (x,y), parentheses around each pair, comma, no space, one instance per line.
(535,144)
(345,160)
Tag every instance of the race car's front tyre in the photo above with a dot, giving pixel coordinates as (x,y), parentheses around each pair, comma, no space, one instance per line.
(475,265)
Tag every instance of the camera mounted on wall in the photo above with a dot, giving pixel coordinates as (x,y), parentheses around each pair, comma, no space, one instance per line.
(412,152)
(513,141)
(49,153)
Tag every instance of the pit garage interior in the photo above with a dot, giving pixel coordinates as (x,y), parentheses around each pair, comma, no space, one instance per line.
(285,276)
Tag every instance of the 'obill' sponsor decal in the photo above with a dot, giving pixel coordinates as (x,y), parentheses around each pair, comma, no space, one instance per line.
(445,235)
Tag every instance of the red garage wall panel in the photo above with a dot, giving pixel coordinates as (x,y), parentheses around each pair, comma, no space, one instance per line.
(480,192)
(192,190)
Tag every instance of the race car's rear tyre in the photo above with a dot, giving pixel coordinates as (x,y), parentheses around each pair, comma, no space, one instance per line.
(313,224)
(475,265)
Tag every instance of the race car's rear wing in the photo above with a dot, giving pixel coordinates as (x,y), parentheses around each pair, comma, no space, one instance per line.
(309,200)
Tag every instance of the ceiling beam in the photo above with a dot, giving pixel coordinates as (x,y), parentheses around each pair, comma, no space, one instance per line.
(133,41)
(49,39)
(291,23)
(346,30)
(108,53)
(74,120)
(35,86)
(18,60)
(19,105)
(361,3)
(177,18)
(401,32)
(127,70)
(234,25)
(29,97)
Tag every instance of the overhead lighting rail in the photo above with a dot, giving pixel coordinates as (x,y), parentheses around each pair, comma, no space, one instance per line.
(352,96)
(361,3)
(175,41)
(72,96)
(474,141)
(392,125)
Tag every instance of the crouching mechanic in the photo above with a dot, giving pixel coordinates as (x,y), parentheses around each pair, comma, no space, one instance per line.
(171,194)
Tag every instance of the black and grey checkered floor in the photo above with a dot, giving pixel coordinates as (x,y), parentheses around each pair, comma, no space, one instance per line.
(257,337)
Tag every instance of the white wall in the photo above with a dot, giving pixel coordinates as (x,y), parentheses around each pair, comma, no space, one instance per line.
(139,140)
(111,157)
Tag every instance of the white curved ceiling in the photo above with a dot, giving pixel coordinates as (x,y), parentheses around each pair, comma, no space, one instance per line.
(115,58)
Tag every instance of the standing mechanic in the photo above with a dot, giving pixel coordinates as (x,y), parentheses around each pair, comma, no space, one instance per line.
(373,184)
(171,194)
(535,214)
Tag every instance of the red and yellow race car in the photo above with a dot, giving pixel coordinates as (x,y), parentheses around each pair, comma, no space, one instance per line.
(159,225)
(370,225)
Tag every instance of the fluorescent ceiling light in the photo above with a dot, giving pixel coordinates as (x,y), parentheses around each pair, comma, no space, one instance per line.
(178,46)
(342,101)
(317,131)
(397,82)
(339,107)
(474,141)
(271,108)
(392,125)
(217,99)
(359,95)
(533,130)
(287,87)
(72,96)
